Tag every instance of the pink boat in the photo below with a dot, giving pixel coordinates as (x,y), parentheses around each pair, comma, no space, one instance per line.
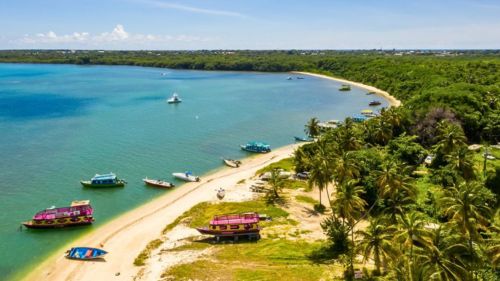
(79,213)
(233,225)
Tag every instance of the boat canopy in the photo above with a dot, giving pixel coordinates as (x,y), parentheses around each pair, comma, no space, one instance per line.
(364,111)
(235,219)
(258,144)
(110,176)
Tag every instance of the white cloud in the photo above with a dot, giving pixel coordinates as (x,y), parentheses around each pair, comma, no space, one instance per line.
(168,5)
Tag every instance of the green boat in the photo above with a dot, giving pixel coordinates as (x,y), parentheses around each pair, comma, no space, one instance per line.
(345,88)
(106,180)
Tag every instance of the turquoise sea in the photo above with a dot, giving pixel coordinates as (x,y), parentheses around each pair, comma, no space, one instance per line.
(63,123)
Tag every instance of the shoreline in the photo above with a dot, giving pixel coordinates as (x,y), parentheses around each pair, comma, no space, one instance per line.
(125,236)
(393,101)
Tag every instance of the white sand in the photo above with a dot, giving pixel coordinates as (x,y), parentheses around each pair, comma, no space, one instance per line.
(126,236)
(391,99)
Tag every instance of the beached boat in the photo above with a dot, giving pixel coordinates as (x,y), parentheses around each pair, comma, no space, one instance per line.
(221,193)
(302,139)
(255,146)
(157,183)
(345,87)
(85,253)
(233,225)
(105,180)
(231,163)
(78,213)
(374,103)
(186,176)
(174,99)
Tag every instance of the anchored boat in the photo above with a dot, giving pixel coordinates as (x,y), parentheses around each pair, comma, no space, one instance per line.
(233,225)
(79,213)
(302,139)
(345,87)
(232,163)
(174,99)
(157,183)
(186,176)
(85,253)
(374,103)
(257,147)
(105,180)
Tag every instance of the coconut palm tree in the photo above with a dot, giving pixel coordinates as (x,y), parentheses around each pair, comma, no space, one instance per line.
(276,184)
(320,174)
(345,166)
(450,138)
(312,128)
(346,136)
(376,241)
(462,162)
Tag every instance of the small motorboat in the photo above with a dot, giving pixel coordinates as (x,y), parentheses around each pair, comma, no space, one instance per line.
(345,88)
(300,77)
(289,78)
(302,139)
(370,93)
(186,176)
(174,99)
(221,193)
(85,253)
(157,183)
(231,163)
(374,103)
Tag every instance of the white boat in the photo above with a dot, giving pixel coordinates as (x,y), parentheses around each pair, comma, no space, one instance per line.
(186,176)
(157,183)
(221,193)
(232,163)
(174,99)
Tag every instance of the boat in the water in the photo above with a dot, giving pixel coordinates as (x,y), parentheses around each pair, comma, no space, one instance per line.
(174,99)
(302,139)
(186,176)
(300,77)
(157,183)
(289,78)
(78,213)
(233,225)
(345,87)
(105,180)
(221,193)
(85,253)
(370,93)
(257,147)
(374,103)
(231,163)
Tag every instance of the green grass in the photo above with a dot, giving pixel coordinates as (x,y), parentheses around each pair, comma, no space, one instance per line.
(285,164)
(296,184)
(306,199)
(140,260)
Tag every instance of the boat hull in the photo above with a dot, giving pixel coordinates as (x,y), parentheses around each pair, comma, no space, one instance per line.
(253,150)
(90,184)
(189,178)
(207,231)
(85,253)
(157,183)
(58,223)
(231,163)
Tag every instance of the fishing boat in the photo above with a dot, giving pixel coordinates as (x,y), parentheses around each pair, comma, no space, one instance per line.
(300,77)
(85,253)
(174,99)
(186,176)
(257,147)
(157,183)
(231,163)
(105,180)
(374,103)
(221,193)
(345,87)
(302,139)
(366,112)
(233,225)
(78,213)
(289,78)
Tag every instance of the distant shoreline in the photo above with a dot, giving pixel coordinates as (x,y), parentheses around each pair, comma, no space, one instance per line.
(391,99)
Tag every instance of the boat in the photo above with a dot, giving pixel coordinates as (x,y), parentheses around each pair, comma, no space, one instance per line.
(366,112)
(359,118)
(374,103)
(78,213)
(231,163)
(302,139)
(370,93)
(186,176)
(104,180)
(256,146)
(174,99)
(300,77)
(221,193)
(157,183)
(233,225)
(85,253)
(289,78)
(345,87)
(331,124)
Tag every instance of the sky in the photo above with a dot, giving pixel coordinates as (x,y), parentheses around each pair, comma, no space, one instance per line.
(249,24)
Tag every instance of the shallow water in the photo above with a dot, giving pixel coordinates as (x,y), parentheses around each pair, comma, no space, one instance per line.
(63,123)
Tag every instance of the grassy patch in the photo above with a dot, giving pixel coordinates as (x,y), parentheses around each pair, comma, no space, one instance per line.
(306,199)
(193,246)
(285,164)
(140,260)
(296,184)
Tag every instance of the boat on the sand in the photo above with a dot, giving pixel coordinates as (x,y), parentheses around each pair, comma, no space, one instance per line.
(233,225)
(257,147)
(105,180)
(78,213)
(157,183)
(85,253)
(221,193)
(231,163)
(186,176)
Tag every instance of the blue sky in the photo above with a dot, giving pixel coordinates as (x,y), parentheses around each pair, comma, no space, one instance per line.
(249,24)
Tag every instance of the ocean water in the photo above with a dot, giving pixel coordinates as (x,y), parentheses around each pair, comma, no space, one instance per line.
(63,123)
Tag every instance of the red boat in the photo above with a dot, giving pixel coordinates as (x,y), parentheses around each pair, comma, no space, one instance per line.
(233,225)
(79,213)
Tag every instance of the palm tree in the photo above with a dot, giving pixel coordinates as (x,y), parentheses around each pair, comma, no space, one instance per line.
(312,127)
(320,173)
(345,166)
(276,183)
(346,136)
(376,242)
(450,138)
(461,161)
(348,205)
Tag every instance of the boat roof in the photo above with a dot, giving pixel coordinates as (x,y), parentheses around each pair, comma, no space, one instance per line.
(366,111)
(235,219)
(110,176)
(257,143)
(80,203)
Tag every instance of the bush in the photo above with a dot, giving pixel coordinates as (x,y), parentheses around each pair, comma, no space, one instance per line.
(320,208)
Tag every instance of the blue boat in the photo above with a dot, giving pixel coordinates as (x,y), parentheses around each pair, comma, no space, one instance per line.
(106,180)
(256,146)
(302,139)
(359,118)
(85,253)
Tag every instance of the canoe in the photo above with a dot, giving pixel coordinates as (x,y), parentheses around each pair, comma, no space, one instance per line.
(232,163)
(187,176)
(157,183)
(85,253)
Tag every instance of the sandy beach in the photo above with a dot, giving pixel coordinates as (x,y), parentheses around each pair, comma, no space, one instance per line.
(391,99)
(126,236)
